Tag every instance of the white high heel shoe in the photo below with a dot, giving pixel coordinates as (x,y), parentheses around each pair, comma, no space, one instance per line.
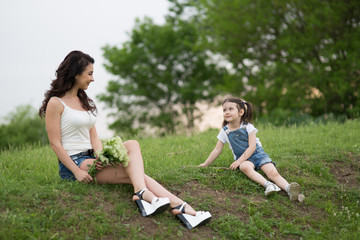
(191,221)
(157,205)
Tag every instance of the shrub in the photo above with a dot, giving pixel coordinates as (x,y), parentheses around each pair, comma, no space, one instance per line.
(21,127)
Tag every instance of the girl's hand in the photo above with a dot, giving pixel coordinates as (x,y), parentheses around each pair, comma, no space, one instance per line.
(83,176)
(202,165)
(235,165)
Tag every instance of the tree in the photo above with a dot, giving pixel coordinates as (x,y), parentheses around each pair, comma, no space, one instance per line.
(163,73)
(296,55)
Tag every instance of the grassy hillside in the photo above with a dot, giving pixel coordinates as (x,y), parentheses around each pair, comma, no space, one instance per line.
(323,159)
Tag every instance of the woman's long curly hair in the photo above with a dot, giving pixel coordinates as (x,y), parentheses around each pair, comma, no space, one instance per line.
(73,64)
(240,104)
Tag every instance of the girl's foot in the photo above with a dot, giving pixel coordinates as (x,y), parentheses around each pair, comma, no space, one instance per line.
(271,188)
(293,190)
(190,219)
(157,205)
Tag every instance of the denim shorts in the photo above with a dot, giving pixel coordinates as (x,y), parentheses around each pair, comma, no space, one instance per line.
(259,162)
(65,173)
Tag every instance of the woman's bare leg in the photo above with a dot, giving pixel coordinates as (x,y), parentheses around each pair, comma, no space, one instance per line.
(134,174)
(160,191)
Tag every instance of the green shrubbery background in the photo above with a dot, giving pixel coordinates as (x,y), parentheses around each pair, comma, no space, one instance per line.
(24,126)
(21,127)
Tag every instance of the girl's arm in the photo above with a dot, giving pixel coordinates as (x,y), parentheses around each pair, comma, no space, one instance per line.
(54,110)
(214,154)
(248,152)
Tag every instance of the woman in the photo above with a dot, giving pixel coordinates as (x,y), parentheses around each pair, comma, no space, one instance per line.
(70,123)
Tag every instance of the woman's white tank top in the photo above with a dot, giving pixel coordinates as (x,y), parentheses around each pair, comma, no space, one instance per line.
(75,129)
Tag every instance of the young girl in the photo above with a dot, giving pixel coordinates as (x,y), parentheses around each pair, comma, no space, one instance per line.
(248,153)
(70,123)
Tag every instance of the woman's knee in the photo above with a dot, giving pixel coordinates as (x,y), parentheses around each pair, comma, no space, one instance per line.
(131,145)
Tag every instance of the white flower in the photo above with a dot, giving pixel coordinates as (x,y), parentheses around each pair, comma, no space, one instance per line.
(113,152)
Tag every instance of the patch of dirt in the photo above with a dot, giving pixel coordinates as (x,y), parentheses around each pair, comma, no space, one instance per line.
(225,202)
(347,173)
(222,204)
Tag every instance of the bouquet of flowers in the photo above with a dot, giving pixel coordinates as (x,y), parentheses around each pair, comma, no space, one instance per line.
(113,152)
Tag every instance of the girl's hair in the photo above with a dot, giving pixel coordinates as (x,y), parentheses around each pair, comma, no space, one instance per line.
(73,64)
(240,104)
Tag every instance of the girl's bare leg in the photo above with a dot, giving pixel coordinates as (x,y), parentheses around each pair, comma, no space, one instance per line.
(248,168)
(271,172)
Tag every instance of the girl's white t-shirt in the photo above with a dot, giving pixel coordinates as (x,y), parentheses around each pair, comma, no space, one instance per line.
(75,129)
(222,136)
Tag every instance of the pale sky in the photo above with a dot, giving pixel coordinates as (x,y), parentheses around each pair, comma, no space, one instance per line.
(36,35)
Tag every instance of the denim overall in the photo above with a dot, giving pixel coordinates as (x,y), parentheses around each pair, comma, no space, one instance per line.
(239,141)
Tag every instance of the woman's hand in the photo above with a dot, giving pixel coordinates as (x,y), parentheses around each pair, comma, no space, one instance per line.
(83,176)
(202,165)
(99,165)
(235,165)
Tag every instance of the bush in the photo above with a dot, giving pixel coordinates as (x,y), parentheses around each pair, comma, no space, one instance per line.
(281,117)
(21,127)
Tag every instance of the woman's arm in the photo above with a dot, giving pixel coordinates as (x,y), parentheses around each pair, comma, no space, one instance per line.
(214,154)
(97,145)
(95,140)
(248,152)
(54,110)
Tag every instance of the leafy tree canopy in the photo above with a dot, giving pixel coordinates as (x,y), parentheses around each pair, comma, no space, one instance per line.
(163,72)
(297,55)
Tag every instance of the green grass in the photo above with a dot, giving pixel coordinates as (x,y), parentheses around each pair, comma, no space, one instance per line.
(323,159)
